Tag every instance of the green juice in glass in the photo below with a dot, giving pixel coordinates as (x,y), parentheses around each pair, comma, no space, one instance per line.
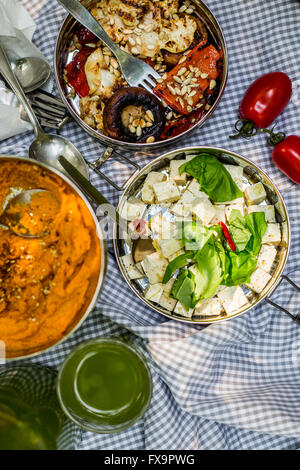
(25,428)
(30,414)
(105,385)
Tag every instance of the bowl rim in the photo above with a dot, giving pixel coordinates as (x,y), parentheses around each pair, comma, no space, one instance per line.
(148,168)
(100,340)
(141,146)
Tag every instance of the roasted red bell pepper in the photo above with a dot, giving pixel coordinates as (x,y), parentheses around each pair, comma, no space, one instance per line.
(182,124)
(76,72)
(186,83)
(228,236)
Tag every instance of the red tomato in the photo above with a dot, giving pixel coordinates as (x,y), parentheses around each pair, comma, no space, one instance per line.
(266,97)
(286,156)
(76,73)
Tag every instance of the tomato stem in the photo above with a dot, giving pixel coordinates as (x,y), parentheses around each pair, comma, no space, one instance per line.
(245,128)
(274,138)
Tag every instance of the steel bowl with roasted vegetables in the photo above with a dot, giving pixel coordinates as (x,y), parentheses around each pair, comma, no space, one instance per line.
(169,35)
(219,234)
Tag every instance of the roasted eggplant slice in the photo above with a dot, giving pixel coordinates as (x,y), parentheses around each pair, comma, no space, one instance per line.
(133,115)
(171,59)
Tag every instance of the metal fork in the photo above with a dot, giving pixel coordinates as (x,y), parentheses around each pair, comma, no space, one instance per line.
(49,109)
(135,71)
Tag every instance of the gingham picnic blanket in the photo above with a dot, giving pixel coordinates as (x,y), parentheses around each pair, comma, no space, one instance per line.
(233,385)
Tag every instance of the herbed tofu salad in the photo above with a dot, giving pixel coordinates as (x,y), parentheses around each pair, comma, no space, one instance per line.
(212,239)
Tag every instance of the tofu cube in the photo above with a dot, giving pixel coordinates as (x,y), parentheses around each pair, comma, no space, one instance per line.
(154,266)
(167,191)
(183,207)
(181,210)
(147,191)
(209,307)
(140,268)
(255,194)
(272,235)
(268,210)
(133,209)
(240,207)
(266,257)
(154,292)
(237,201)
(167,302)
(258,280)
(284,234)
(133,270)
(203,210)
(236,173)
(232,298)
(163,227)
(168,286)
(219,214)
(174,171)
(194,188)
(180,310)
(169,247)
(174,255)
(188,158)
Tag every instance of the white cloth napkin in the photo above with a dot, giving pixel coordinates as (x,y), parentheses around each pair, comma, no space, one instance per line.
(17,28)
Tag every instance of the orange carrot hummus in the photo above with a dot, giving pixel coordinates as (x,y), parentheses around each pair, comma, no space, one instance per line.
(47,283)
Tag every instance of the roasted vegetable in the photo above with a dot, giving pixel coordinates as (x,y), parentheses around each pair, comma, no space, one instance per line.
(133,115)
(186,83)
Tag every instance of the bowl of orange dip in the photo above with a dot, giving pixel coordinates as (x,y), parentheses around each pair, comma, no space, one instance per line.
(48,285)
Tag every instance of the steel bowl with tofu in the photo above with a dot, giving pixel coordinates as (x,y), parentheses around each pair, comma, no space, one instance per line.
(219,229)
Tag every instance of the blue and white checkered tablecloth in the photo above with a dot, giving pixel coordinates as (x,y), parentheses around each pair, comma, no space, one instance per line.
(233,385)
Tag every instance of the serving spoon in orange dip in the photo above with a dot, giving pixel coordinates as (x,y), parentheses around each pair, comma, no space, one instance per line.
(31,213)
(47,283)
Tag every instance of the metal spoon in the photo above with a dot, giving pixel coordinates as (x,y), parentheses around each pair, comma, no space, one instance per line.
(46,148)
(32,72)
(19,207)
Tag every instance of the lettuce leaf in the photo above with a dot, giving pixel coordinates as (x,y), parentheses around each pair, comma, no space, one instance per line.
(194,235)
(183,288)
(247,232)
(210,261)
(239,267)
(238,230)
(257,225)
(212,177)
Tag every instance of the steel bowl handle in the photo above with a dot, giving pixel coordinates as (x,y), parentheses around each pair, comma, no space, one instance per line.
(296,317)
(108,152)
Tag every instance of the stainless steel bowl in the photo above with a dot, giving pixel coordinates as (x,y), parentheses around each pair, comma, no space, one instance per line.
(98,281)
(62,56)
(252,174)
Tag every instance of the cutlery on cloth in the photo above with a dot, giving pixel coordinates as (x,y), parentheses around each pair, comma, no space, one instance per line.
(45,148)
(32,72)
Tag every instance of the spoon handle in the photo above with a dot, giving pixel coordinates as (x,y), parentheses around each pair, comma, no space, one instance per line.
(8,74)
(82,14)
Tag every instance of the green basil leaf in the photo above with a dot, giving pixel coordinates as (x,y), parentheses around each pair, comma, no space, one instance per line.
(177,263)
(257,225)
(212,177)
(238,230)
(210,261)
(183,288)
